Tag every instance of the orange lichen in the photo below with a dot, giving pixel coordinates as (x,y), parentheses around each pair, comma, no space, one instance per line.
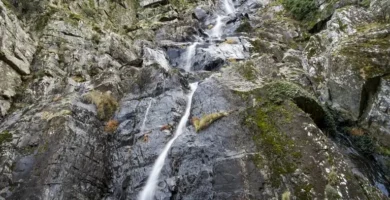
(111,126)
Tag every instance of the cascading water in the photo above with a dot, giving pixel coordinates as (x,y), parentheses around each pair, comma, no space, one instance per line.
(189,55)
(229,6)
(150,187)
(146,117)
(216,31)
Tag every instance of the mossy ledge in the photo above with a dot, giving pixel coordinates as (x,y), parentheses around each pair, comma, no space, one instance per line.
(279,91)
(279,150)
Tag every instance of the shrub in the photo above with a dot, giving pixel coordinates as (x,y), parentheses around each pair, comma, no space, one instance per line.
(248,71)
(5,136)
(96,38)
(300,9)
(331,192)
(111,126)
(75,16)
(245,26)
(385,11)
(106,104)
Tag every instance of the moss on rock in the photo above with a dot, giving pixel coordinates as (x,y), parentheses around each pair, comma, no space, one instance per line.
(278,148)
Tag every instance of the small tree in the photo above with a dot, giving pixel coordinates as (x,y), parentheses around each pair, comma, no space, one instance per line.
(300,9)
(385,11)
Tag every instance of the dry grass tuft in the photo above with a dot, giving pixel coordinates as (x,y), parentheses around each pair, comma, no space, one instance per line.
(106,104)
(356,132)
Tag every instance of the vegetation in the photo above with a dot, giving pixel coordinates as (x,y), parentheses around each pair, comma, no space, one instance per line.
(385,11)
(106,104)
(278,91)
(286,195)
(365,144)
(331,193)
(206,120)
(279,150)
(300,9)
(44,19)
(179,3)
(332,177)
(5,136)
(245,26)
(78,78)
(75,16)
(111,126)
(247,71)
(96,38)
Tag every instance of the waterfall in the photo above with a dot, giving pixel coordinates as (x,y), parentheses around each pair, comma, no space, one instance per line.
(189,55)
(150,187)
(146,117)
(216,31)
(229,6)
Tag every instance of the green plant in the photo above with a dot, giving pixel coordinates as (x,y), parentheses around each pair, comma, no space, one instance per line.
(331,193)
(178,3)
(44,19)
(5,136)
(286,195)
(245,26)
(247,71)
(385,11)
(300,9)
(75,16)
(105,103)
(96,38)
(364,144)
(332,177)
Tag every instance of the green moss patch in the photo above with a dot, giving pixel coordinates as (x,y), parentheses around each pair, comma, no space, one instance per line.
(245,27)
(247,71)
(5,137)
(277,147)
(368,55)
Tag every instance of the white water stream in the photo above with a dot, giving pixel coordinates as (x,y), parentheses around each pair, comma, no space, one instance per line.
(142,131)
(190,53)
(229,6)
(216,31)
(150,187)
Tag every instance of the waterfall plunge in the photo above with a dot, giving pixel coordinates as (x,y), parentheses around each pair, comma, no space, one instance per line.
(229,6)
(150,187)
(217,29)
(189,55)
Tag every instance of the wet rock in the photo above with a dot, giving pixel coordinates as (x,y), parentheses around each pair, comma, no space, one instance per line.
(200,14)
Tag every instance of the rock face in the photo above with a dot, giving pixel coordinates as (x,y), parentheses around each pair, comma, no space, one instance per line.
(16,53)
(286,107)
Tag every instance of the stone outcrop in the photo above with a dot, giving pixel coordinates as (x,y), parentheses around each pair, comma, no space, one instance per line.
(92,91)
